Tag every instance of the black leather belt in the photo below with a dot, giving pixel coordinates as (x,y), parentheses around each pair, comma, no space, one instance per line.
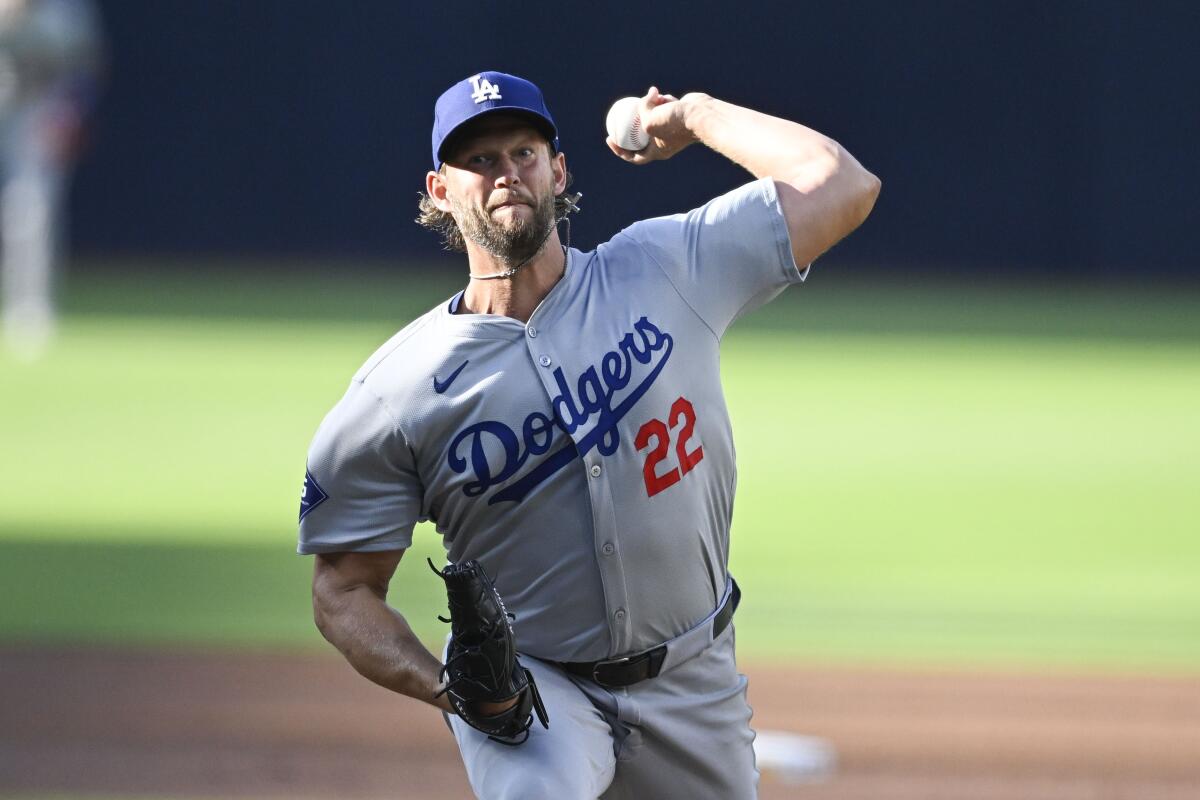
(628,670)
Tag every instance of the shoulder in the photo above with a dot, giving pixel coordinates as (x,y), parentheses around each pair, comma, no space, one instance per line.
(397,372)
(406,343)
(371,407)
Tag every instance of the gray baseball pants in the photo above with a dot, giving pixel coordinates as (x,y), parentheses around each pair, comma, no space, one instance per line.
(683,734)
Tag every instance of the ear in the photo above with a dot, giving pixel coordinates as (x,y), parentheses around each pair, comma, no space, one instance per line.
(559,165)
(435,187)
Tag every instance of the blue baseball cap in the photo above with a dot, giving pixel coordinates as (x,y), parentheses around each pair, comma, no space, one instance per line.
(483,94)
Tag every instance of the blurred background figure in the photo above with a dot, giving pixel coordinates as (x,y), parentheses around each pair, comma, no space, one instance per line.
(49,57)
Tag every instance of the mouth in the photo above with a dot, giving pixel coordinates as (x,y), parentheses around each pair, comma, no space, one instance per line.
(507,204)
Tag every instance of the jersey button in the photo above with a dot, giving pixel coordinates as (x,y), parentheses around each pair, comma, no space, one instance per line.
(545,361)
(619,614)
(595,470)
(608,548)
(532,331)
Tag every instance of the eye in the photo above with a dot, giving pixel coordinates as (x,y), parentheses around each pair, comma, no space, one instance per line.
(478,159)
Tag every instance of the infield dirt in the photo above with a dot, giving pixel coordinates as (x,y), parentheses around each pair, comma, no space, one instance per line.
(196,724)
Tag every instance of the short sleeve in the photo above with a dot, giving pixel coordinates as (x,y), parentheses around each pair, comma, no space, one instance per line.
(361,491)
(727,257)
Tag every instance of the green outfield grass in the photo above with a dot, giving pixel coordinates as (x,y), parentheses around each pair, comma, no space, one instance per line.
(927,474)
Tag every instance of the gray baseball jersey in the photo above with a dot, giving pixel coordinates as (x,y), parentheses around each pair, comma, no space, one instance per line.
(584,458)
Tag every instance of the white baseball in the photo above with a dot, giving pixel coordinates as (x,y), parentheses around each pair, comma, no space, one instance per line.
(624,123)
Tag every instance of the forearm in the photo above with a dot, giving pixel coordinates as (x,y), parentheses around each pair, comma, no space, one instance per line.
(764,145)
(378,643)
(824,191)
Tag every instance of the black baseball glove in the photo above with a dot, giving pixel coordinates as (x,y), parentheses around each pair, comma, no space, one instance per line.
(481,662)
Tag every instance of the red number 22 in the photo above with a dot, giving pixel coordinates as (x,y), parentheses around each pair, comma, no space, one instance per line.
(656,429)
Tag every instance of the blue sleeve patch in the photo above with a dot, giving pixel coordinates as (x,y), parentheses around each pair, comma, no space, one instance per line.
(311,496)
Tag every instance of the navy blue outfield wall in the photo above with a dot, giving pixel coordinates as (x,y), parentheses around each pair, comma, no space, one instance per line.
(1045,136)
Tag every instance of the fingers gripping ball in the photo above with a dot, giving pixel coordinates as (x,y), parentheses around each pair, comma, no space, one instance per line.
(481,661)
(624,123)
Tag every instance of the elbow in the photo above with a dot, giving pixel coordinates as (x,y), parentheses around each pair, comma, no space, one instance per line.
(866,196)
(853,206)
(321,615)
(858,188)
(872,187)
(847,191)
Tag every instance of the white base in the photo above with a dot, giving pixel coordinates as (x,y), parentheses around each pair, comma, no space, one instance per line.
(795,758)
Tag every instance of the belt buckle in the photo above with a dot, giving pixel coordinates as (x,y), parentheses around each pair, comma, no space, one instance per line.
(613,662)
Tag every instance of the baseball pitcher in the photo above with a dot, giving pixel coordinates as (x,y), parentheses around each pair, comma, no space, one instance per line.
(561,421)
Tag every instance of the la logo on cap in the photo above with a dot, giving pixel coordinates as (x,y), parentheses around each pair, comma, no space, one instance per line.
(484,90)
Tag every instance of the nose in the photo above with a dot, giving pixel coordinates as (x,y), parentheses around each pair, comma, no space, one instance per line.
(506,173)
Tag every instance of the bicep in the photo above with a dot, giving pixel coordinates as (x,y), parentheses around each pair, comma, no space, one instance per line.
(813,222)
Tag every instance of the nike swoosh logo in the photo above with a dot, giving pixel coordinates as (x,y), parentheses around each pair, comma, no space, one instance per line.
(441,386)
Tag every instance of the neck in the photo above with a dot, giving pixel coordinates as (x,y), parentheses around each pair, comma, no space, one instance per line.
(519,294)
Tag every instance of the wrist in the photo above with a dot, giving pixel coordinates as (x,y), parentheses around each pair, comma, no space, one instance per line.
(697,108)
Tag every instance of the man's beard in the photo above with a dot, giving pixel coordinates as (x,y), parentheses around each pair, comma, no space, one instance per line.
(513,242)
